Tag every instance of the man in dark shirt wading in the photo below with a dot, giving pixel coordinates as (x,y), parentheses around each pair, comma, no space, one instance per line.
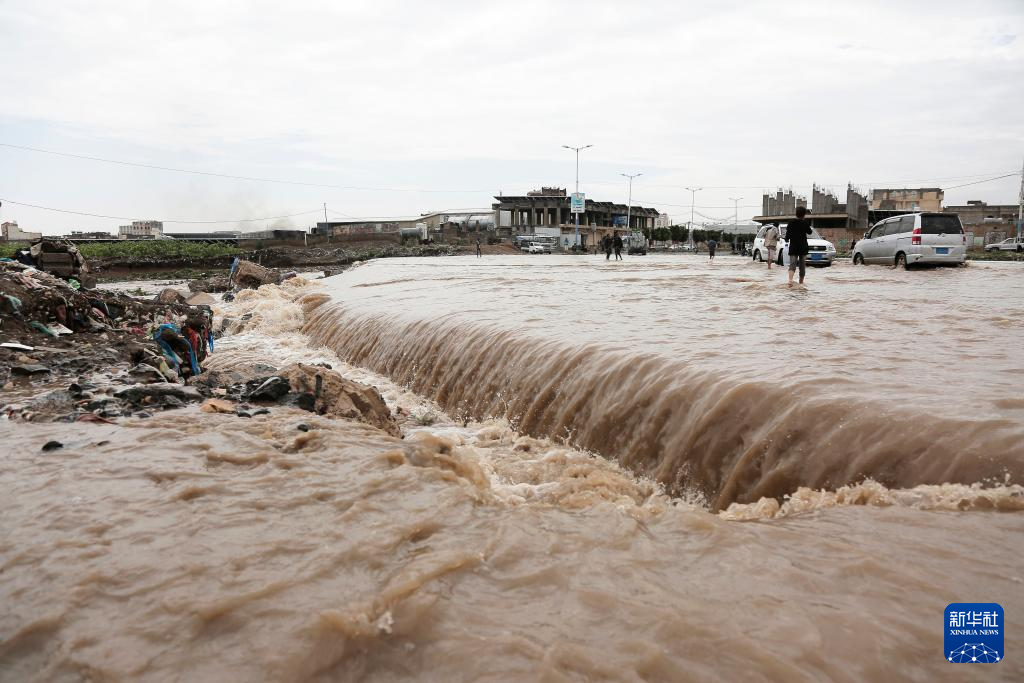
(796,234)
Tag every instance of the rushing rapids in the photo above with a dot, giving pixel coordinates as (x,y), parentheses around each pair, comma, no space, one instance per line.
(715,379)
(218,548)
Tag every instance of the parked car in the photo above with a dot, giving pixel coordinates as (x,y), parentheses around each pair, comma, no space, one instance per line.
(537,248)
(821,252)
(914,238)
(1009,244)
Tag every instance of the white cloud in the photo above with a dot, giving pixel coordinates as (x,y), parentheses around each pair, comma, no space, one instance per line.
(478,95)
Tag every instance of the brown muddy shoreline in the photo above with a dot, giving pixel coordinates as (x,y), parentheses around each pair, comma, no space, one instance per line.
(333,259)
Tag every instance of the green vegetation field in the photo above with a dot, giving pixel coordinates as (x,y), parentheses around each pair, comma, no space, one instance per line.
(140,249)
(156,248)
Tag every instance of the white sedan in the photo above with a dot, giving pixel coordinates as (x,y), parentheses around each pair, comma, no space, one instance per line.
(1009,244)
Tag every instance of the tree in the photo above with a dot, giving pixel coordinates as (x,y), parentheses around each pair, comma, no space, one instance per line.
(680,233)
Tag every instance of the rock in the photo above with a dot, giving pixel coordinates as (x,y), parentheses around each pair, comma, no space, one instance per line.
(200,299)
(217,405)
(249,275)
(29,369)
(302,401)
(335,396)
(146,373)
(261,411)
(140,392)
(171,402)
(143,414)
(52,445)
(106,404)
(303,427)
(273,389)
(217,283)
(243,413)
(170,296)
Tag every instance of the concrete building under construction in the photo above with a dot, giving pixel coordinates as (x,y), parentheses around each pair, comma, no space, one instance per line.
(548,210)
(841,223)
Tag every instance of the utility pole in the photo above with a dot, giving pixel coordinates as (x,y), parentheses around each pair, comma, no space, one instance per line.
(577,150)
(1020,203)
(693,199)
(629,202)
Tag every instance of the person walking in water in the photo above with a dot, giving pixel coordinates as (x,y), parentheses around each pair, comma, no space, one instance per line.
(606,242)
(479,251)
(712,245)
(771,242)
(617,243)
(796,234)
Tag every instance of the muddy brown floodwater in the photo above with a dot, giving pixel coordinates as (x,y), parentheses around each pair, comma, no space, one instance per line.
(840,463)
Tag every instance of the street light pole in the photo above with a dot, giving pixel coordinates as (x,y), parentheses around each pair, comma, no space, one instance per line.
(577,150)
(629,202)
(693,200)
(735,219)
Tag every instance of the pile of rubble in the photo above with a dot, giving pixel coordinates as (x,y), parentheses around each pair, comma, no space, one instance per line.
(52,326)
(129,357)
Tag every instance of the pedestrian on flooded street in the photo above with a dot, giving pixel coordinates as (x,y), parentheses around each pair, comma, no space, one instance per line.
(606,243)
(771,242)
(797,233)
(479,251)
(712,245)
(618,248)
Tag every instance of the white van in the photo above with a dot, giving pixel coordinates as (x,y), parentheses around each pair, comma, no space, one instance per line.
(914,238)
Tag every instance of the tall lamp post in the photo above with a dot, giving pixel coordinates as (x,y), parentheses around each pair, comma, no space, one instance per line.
(577,150)
(629,202)
(735,219)
(693,200)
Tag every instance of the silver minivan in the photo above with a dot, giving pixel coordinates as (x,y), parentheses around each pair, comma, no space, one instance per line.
(914,238)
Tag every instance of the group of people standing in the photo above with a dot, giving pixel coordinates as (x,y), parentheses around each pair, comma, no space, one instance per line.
(608,243)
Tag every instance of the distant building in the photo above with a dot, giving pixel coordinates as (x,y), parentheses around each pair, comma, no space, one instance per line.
(986,223)
(548,209)
(908,199)
(90,235)
(452,224)
(141,230)
(976,212)
(841,223)
(281,234)
(10,232)
(217,236)
(662,221)
(781,203)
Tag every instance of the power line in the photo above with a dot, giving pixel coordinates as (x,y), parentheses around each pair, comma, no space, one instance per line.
(229,176)
(130,218)
(361,188)
(986,180)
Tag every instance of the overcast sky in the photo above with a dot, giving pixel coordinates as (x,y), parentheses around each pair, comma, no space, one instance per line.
(410,107)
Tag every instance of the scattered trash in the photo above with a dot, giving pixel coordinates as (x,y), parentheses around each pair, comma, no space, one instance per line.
(29,369)
(43,328)
(16,346)
(272,389)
